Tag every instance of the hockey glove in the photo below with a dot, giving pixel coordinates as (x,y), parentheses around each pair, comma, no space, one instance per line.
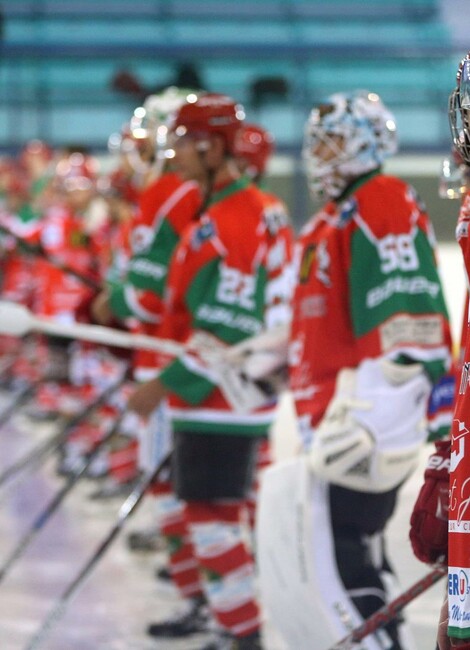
(429,519)
(374,427)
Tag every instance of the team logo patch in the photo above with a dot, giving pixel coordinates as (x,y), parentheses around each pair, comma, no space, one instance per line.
(141,239)
(459,585)
(348,210)
(306,263)
(323,264)
(78,239)
(461,230)
(202,234)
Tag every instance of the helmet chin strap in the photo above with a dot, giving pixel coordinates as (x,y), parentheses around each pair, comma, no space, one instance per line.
(209,185)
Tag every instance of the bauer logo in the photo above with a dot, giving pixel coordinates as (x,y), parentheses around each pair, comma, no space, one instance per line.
(459,585)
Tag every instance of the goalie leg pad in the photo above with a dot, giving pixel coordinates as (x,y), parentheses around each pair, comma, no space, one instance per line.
(300,583)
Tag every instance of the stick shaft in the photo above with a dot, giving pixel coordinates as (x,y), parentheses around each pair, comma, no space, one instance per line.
(38,251)
(39,453)
(18,400)
(126,510)
(77,472)
(389,611)
(105,335)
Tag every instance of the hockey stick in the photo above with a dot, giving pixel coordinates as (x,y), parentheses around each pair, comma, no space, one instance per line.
(18,400)
(39,453)
(389,611)
(38,251)
(17,320)
(78,470)
(244,391)
(126,510)
(7,363)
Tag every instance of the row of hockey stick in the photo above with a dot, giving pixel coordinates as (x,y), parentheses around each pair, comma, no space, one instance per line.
(37,456)
(16,473)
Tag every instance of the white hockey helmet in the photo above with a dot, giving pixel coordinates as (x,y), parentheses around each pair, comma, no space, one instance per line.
(367,132)
(154,118)
(459,110)
(147,130)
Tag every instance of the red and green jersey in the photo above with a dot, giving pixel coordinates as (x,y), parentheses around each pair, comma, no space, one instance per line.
(459,487)
(226,274)
(64,240)
(165,209)
(18,268)
(367,286)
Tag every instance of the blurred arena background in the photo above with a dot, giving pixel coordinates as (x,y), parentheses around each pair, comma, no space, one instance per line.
(72,72)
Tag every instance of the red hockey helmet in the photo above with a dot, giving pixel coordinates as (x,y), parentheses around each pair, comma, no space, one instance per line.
(255,146)
(118,185)
(210,114)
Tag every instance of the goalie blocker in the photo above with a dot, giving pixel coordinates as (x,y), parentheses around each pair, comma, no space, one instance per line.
(374,427)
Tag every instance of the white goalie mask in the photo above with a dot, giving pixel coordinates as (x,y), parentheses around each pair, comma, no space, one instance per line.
(459,111)
(360,132)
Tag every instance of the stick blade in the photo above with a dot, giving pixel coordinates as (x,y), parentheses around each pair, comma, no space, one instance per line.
(15,320)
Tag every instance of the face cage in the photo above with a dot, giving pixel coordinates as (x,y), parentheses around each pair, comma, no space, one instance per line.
(325,179)
(459,121)
(452,180)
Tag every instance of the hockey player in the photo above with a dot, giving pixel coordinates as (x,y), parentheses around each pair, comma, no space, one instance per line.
(218,285)
(428,528)
(67,237)
(254,147)
(369,337)
(166,205)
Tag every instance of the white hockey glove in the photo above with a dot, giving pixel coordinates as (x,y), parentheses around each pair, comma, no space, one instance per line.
(246,387)
(255,370)
(373,429)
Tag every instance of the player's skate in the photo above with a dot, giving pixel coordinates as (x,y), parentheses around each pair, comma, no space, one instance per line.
(164,582)
(195,618)
(145,540)
(228,642)
(112,489)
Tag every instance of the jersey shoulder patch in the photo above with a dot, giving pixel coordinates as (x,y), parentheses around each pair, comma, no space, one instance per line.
(348,209)
(204,232)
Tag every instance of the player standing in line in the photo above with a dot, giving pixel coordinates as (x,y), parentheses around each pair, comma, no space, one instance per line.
(166,205)
(370,336)
(454,624)
(218,285)
(254,147)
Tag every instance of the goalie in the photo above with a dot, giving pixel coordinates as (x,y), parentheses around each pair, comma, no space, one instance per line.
(369,339)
